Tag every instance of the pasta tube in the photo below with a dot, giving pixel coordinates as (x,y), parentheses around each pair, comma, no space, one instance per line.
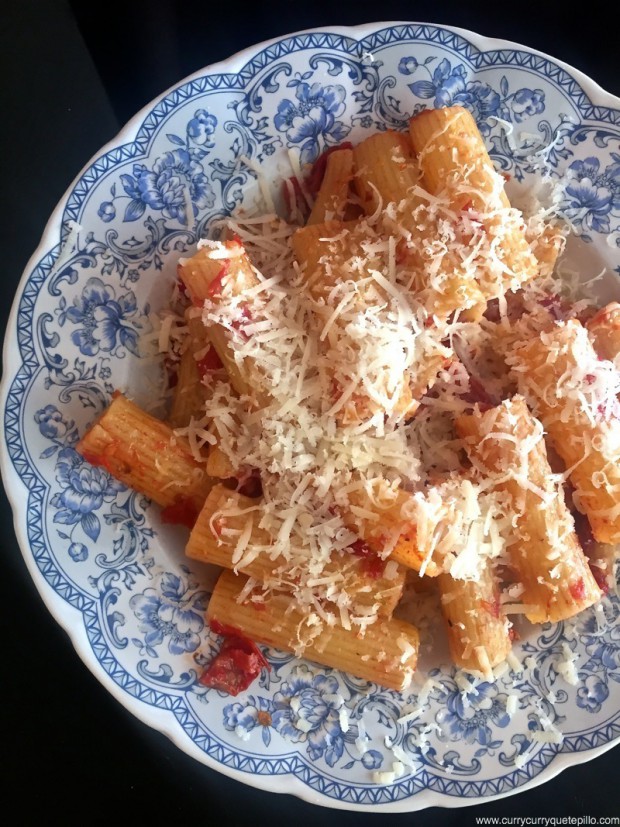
(189,393)
(224,539)
(198,369)
(454,159)
(218,464)
(386,654)
(385,170)
(389,526)
(386,174)
(322,251)
(478,630)
(450,527)
(452,156)
(207,275)
(574,393)
(332,197)
(506,444)
(547,245)
(144,454)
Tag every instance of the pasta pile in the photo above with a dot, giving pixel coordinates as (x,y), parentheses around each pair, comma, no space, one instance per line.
(392,394)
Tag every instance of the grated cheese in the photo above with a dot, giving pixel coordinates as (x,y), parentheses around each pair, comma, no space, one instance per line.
(340,377)
(566,666)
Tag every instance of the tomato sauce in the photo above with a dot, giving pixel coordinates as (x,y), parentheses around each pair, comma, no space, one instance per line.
(372,565)
(181,512)
(577,589)
(238,663)
(478,395)
(209,363)
(240,323)
(492,606)
(601,578)
(181,284)
(107,459)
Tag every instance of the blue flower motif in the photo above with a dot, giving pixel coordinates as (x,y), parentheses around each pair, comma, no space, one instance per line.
(470,715)
(103,318)
(592,693)
(483,101)
(85,489)
(592,195)
(201,127)
(51,422)
(306,709)
(258,712)
(106,211)
(603,650)
(449,87)
(78,552)
(175,176)
(171,612)
(612,177)
(589,206)
(313,116)
(372,759)
(527,102)
(407,65)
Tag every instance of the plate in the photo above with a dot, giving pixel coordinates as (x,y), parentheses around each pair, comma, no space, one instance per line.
(116,579)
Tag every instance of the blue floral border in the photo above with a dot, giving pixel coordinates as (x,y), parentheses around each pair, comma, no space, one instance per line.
(294,764)
(348,46)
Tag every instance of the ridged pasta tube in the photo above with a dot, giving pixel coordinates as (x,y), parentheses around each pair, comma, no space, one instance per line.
(386,654)
(219,531)
(507,445)
(146,455)
(574,394)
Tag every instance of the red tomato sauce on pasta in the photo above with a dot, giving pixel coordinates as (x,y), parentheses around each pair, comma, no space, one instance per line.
(238,663)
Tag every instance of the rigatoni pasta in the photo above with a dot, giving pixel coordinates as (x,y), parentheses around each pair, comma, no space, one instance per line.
(189,392)
(387,176)
(145,454)
(199,362)
(454,160)
(349,405)
(351,252)
(206,276)
(219,465)
(555,582)
(575,395)
(333,195)
(385,170)
(227,533)
(387,654)
(477,628)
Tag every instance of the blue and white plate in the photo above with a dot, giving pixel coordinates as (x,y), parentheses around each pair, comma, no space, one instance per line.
(116,579)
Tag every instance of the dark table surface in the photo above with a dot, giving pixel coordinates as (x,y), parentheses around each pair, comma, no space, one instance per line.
(72,74)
